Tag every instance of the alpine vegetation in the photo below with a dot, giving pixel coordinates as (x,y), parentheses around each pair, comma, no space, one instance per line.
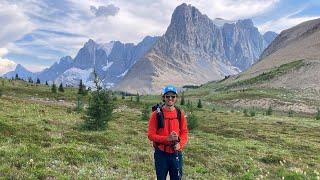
(100,108)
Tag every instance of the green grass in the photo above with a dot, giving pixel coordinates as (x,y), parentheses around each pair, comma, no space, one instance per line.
(22,89)
(44,140)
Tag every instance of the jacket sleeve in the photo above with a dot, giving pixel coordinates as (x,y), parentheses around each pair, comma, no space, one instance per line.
(152,130)
(184,131)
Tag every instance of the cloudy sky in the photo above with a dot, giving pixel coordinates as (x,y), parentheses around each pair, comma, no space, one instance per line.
(36,33)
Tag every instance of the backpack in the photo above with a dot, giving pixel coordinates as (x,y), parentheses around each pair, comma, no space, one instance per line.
(160,116)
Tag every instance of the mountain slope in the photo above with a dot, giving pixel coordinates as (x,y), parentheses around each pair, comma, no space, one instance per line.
(301,42)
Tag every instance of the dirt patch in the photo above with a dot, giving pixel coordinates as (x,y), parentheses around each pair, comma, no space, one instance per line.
(278,105)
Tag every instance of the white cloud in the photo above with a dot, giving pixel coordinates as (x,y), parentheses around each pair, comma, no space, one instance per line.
(283,23)
(109,10)
(233,9)
(6,65)
(15,23)
(3,51)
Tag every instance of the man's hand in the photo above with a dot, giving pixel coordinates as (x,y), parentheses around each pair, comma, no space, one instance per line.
(177,147)
(173,136)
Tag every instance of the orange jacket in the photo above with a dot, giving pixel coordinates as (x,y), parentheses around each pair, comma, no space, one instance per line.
(171,123)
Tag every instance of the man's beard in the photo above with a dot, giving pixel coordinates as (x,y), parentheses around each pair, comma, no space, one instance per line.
(170,105)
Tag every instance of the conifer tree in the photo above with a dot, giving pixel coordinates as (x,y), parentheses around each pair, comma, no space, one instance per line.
(38,81)
(61,88)
(47,83)
(138,97)
(100,108)
(82,88)
(199,104)
(54,88)
(182,99)
(17,76)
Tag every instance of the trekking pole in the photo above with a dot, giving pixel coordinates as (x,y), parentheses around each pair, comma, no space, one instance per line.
(176,152)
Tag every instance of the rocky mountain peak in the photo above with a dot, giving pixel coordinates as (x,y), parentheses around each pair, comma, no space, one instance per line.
(19,68)
(245,23)
(90,45)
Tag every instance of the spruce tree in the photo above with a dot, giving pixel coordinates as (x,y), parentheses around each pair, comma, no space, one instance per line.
(199,104)
(38,81)
(192,121)
(17,77)
(290,113)
(100,108)
(138,98)
(47,83)
(54,88)
(182,99)
(61,88)
(82,88)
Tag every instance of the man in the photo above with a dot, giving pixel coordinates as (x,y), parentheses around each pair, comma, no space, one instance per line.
(169,139)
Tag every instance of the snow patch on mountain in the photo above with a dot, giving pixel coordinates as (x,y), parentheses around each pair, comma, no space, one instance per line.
(73,76)
(123,74)
(109,64)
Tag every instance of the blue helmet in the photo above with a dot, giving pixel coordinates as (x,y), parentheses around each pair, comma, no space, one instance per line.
(170,88)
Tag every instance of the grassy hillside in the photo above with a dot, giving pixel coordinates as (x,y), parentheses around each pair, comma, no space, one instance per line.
(44,140)
(265,76)
(257,93)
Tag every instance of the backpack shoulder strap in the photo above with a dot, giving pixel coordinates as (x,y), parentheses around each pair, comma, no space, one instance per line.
(160,118)
(179,117)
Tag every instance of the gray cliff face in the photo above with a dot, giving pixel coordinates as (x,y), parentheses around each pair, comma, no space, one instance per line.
(242,43)
(90,56)
(51,73)
(239,43)
(196,50)
(122,57)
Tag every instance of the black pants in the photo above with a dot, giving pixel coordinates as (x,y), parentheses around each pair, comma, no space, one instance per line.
(165,162)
